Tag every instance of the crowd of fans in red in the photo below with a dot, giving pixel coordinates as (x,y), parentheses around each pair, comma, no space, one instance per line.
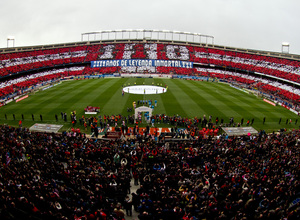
(227,77)
(251,83)
(278,92)
(12,63)
(281,68)
(67,176)
(18,87)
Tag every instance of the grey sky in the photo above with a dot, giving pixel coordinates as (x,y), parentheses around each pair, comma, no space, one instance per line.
(254,24)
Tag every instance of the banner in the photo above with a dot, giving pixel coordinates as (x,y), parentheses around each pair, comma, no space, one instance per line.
(140,63)
(271,103)
(20,99)
(291,109)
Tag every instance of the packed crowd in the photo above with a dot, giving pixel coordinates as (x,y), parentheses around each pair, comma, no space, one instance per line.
(285,92)
(281,68)
(68,176)
(12,63)
(18,86)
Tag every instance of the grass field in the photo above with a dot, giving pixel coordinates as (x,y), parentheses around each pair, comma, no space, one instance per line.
(185,98)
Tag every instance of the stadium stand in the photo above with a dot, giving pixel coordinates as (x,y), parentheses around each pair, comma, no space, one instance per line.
(289,92)
(17,62)
(243,68)
(20,85)
(67,176)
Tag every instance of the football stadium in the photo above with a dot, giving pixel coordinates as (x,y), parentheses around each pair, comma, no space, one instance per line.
(148,124)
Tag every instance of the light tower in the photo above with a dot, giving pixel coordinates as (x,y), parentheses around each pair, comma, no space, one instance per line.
(285,47)
(11,38)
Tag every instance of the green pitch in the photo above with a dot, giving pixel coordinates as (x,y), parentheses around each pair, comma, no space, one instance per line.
(185,98)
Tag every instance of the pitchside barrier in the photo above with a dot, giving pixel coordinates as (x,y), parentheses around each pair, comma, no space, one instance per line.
(238,131)
(45,127)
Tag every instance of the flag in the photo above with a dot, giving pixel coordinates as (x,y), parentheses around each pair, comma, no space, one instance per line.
(8,159)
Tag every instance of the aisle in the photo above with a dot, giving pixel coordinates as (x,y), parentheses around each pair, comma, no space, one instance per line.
(134,213)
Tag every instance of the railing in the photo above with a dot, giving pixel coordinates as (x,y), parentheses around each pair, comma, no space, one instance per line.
(141,34)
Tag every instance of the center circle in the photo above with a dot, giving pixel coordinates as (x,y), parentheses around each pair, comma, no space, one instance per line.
(143,89)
